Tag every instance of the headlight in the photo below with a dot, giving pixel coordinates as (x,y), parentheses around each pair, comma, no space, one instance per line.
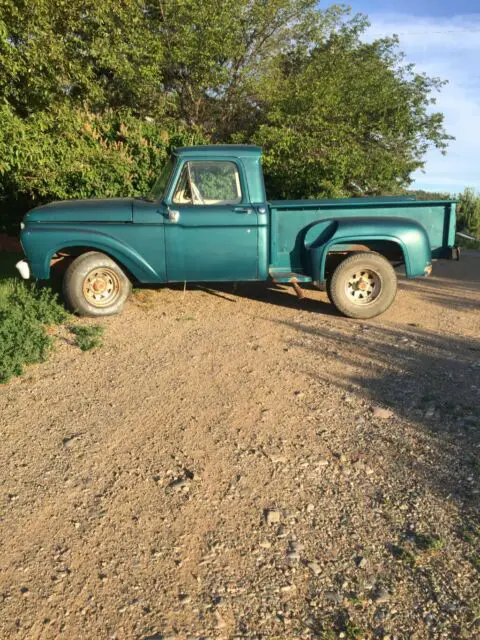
(22,226)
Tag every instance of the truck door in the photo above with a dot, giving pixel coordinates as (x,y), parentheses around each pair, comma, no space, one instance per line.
(211,230)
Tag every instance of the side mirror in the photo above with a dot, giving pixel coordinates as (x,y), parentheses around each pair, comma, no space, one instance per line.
(173,215)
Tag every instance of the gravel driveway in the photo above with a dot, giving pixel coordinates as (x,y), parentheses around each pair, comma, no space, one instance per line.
(241,464)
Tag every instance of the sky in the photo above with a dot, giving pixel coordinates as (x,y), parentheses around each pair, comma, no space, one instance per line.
(442,38)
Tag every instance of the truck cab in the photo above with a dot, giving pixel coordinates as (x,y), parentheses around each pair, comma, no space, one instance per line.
(214,204)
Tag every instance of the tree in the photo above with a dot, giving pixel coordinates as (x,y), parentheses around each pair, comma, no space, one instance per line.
(96,94)
(347,118)
(217,52)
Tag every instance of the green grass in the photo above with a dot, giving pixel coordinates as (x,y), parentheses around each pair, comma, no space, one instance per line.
(471,533)
(427,542)
(409,552)
(352,631)
(88,337)
(404,556)
(7,275)
(26,310)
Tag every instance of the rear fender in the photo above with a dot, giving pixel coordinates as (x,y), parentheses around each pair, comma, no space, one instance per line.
(409,235)
(40,244)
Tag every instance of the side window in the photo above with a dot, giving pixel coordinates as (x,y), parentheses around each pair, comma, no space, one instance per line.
(208,182)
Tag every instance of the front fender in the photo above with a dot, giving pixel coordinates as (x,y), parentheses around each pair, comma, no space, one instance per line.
(40,243)
(409,235)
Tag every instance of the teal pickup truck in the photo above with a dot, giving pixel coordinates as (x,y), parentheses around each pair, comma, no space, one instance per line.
(207,219)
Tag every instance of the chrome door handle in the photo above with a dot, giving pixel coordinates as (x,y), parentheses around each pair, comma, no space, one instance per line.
(173,216)
(246,210)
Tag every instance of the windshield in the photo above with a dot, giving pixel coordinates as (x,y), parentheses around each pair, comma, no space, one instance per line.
(158,189)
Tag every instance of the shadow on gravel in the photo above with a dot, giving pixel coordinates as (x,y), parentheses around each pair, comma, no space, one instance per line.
(279,295)
(452,284)
(428,379)
(441,295)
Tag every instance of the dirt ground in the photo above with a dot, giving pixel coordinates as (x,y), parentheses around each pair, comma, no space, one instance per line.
(241,464)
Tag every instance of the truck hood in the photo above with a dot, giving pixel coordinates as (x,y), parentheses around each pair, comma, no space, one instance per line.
(110,210)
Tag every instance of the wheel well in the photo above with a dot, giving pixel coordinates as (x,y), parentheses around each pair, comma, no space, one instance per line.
(64,257)
(73,251)
(387,248)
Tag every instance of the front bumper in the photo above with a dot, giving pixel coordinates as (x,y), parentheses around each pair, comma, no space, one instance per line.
(23,269)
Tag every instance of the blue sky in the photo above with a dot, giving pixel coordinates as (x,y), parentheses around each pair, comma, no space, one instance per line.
(442,38)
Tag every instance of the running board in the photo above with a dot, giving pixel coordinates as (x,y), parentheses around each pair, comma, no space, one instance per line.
(288,277)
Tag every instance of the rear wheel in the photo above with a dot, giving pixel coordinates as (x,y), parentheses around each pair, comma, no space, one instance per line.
(363,285)
(94,285)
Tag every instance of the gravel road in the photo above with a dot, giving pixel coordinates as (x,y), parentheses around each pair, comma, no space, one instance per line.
(241,464)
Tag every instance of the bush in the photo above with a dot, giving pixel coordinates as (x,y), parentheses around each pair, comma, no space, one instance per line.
(74,153)
(469,212)
(25,311)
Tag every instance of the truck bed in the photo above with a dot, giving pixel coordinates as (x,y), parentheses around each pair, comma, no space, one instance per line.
(290,219)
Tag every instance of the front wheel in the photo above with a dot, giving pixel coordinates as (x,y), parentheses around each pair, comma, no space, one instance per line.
(363,285)
(94,285)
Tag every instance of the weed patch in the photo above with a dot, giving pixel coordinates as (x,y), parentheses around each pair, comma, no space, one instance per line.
(471,533)
(403,555)
(87,337)
(427,542)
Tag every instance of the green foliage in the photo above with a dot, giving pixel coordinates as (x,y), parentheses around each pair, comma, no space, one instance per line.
(404,555)
(468,244)
(79,154)
(95,95)
(217,53)
(428,542)
(469,212)
(88,337)
(352,631)
(347,118)
(25,311)
(215,181)
(59,52)
(420,194)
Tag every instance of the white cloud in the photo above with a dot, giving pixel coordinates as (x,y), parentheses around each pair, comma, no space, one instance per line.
(448,48)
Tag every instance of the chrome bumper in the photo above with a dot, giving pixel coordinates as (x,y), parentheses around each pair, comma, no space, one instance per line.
(23,269)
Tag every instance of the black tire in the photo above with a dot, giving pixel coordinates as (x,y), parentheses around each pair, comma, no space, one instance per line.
(340,259)
(328,289)
(363,286)
(94,285)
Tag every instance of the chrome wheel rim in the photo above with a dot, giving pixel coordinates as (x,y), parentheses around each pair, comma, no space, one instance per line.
(363,286)
(101,287)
